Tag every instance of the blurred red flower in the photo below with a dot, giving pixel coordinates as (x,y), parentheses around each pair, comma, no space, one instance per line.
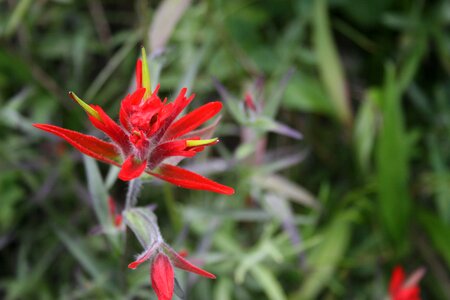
(401,288)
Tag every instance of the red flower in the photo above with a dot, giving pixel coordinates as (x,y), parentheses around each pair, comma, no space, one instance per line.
(149,137)
(405,289)
(162,259)
(249,103)
(116,217)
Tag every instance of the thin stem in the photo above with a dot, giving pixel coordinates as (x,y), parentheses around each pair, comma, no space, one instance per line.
(133,191)
(134,188)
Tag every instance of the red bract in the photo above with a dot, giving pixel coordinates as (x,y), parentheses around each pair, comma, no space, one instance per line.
(162,259)
(150,135)
(162,277)
(401,288)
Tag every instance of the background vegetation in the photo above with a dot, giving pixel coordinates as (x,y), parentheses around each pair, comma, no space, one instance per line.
(328,216)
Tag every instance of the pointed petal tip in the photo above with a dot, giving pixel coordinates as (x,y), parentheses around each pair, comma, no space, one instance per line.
(190,180)
(132,168)
(215,106)
(180,262)
(38,125)
(145,75)
(87,144)
(228,191)
(133,265)
(194,119)
(44,127)
(197,143)
(86,107)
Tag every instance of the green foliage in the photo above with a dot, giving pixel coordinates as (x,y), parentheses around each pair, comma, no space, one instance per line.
(329,65)
(392,162)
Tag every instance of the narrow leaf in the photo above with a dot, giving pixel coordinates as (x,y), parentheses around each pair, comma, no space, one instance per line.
(268,282)
(330,67)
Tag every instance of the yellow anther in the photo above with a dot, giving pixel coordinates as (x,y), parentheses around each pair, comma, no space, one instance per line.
(196,143)
(85,106)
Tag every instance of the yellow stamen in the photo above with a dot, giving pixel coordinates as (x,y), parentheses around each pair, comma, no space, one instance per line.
(196,143)
(85,106)
(145,75)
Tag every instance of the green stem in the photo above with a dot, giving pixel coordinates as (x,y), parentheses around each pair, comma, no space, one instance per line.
(133,192)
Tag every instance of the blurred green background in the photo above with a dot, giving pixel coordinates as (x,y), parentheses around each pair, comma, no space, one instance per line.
(325,217)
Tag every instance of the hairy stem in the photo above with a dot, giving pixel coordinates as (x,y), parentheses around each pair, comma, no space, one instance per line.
(134,188)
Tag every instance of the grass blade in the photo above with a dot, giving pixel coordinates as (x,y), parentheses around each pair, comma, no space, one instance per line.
(330,67)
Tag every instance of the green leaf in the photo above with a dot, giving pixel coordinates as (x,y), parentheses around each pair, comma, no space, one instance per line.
(268,282)
(325,258)
(172,208)
(80,251)
(272,104)
(29,279)
(365,129)
(441,186)
(142,221)
(392,163)
(223,289)
(282,186)
(17,16)
(438,233)
(304,93)
(244,150)
(412,61)
(231,103)
(98,191)
(330,67)
(112,65)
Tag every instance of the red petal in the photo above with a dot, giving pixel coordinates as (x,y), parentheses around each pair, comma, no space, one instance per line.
(162,277)
(111,206)
(139,73)
(190,180)
(183,253)
(181,102)
(168,149)
(142,258)
(203,133)
(175,109)
(411,293)
(181,263)
(398,276)
(111,129)
(193,119)
(87,144)
(117,218)
(132,168)
(249,101)
(126,107)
